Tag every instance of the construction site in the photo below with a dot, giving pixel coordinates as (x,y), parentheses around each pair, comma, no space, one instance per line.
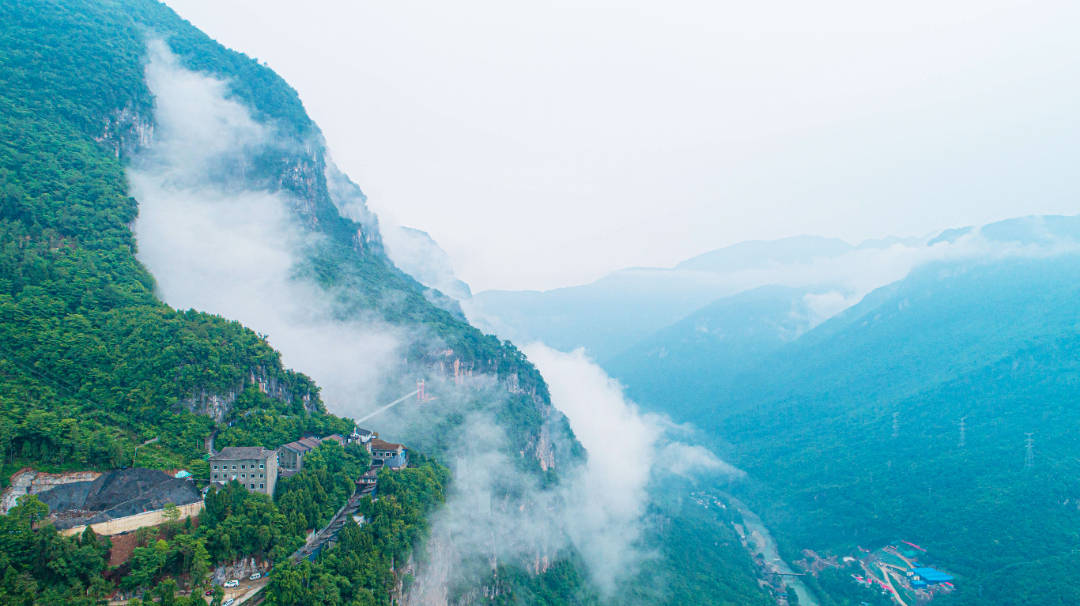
(900,570)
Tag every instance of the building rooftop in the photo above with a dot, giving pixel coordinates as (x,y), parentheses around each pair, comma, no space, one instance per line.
(933,575)
(378,444)
(236,453)
(303,445)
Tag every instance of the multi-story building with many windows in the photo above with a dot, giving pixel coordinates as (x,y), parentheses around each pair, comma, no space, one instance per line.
(253,466)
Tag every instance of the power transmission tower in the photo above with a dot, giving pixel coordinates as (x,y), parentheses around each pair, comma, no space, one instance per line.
(1029,445)
(963,431)
(895,424)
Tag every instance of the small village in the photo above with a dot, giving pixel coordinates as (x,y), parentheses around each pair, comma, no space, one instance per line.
(120,504)
(900,570)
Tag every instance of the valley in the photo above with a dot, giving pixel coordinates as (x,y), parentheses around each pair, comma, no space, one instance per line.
(229,377)
(921,409)
(757,538)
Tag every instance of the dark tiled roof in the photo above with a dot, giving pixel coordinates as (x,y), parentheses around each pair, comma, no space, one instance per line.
(298,447)
(236,453)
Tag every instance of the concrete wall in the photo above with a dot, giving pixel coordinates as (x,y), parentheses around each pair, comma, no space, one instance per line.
(271,474)
(129,523)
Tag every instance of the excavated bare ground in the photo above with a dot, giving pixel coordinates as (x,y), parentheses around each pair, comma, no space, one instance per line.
(116,494)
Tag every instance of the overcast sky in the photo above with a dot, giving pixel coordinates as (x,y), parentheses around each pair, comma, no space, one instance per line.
(544,144)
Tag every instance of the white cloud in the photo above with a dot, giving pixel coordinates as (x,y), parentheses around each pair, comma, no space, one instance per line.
(222,248)
(215,245)
(626,450)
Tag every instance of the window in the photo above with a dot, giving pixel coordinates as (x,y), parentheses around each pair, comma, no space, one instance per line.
(260,465)
(252,486)
(241,476)
(260,485)
(260,475)
(215,466)
(241,466)
(234,466)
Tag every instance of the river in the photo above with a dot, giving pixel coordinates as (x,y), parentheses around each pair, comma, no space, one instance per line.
(764,545)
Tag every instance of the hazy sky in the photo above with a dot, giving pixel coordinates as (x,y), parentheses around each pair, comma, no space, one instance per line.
(546,143)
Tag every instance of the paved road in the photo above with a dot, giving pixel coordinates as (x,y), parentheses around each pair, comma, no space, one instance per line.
(888,581)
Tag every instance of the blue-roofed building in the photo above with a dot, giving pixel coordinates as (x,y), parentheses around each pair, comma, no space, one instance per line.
(932,575)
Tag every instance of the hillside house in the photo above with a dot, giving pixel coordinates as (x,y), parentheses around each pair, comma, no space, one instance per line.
(253,466)
(291,455)
(366,483)
(362,436)
(394,456)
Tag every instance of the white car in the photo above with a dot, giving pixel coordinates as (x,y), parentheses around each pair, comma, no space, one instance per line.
(231,583)
(228,602)
(255,576)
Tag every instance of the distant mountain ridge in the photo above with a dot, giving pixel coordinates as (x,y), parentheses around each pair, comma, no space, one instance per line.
(612,314)
(759,253)
(905,413)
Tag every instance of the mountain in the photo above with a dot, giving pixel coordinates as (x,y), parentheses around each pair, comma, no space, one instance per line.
(994,343)
(762,253)
(683,367)
(610,315)
(146,170)
(907,415)
(418,255)
(78,109)
(94,360)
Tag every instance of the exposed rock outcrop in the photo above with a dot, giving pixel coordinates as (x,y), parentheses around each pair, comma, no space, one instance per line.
(218,405)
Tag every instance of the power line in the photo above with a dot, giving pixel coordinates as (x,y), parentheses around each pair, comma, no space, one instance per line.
(1029,445)
(963,432)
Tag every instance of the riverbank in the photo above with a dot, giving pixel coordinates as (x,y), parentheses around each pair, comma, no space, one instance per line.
(759,541)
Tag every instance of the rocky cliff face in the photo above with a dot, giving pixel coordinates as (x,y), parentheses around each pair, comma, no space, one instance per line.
(218,405)
(126,131)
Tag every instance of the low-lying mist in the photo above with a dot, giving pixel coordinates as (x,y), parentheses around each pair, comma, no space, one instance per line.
(215,247)
(217,244)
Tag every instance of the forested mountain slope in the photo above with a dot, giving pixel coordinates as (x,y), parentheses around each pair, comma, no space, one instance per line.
(93,363)
(74,88)
(853,431)
(683,368)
